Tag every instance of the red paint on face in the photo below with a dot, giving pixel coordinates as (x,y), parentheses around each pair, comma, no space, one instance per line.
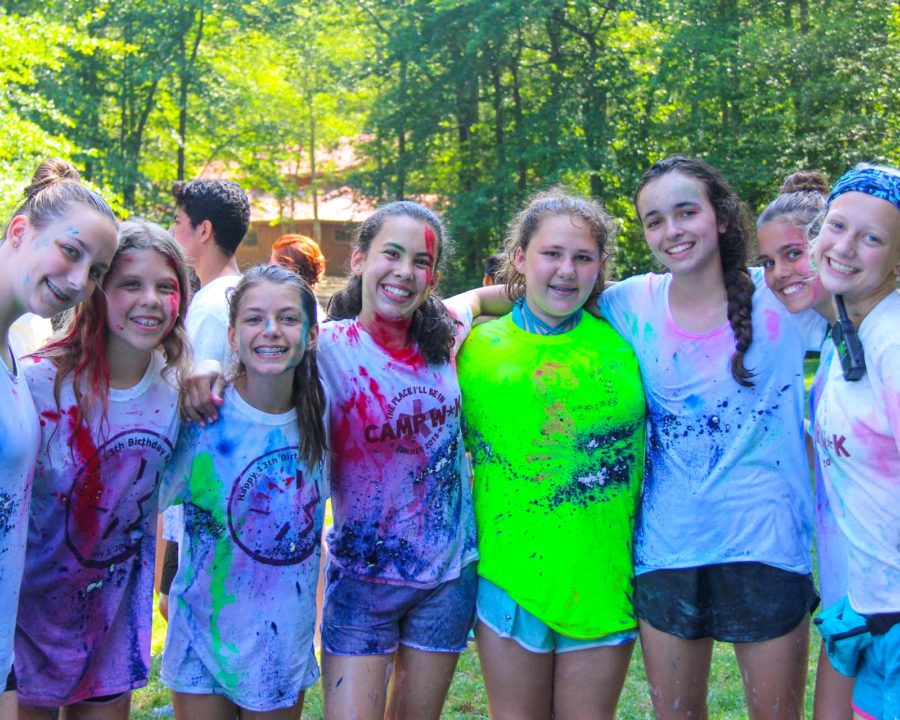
(174,302)
(430,246)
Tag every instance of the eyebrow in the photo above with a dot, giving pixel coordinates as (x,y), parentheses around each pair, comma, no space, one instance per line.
(677,206)
(254,308)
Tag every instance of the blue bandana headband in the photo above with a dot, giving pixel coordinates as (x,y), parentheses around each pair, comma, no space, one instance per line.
(871,181)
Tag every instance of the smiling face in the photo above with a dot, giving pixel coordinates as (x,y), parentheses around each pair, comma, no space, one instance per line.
(680,224)
(142,298)
(858,250)
(397,272)
(784,256)
(560,266)
(60,264)
(271,331)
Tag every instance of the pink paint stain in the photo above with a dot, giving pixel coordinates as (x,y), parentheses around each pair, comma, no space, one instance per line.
(773,325)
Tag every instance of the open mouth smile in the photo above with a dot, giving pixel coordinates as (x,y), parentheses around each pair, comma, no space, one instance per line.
(396,293)
(270,351)
(841,268)
(57,293)
(680,248)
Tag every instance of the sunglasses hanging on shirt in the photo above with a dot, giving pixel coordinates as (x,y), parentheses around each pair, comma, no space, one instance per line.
(847,342)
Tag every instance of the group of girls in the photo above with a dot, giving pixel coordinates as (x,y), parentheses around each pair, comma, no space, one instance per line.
(642,474)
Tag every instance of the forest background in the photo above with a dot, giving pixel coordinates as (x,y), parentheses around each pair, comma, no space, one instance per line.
(471,104)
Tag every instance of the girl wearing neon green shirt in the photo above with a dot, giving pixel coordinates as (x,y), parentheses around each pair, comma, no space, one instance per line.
(553,412)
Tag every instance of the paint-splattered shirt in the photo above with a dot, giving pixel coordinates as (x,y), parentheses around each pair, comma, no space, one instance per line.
(858,440)
(831,556)
(727,477)
(207,328)
(555,426)
(19,440)
(243,604)
(400,489)
(84,624)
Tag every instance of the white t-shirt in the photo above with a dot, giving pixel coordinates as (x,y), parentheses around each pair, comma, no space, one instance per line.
(20,437)
(28,333)
(207,320)
(400,486)
(207,329)
(726,475)
(243,604)
(858,441)
(831,555)
(86,601)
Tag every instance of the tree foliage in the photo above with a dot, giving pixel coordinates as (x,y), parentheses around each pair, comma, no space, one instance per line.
(470,105)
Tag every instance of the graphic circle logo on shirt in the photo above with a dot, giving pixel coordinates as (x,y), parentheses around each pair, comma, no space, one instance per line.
(272,512)
(110,504)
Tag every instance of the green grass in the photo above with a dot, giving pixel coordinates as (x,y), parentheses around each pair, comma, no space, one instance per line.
(467,698)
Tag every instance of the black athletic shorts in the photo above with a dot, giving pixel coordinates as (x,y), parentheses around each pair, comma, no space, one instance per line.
(169,568)
(732,602)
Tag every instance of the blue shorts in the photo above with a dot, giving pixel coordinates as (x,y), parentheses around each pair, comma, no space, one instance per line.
(508,619)
(362,617)
(876,694)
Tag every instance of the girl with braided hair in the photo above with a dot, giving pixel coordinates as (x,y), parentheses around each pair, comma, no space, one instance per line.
(723,533)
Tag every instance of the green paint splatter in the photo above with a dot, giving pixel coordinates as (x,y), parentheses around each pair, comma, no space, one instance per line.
(207,492)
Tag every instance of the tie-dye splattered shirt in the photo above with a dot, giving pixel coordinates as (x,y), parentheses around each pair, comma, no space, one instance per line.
(400,488)
(207,328)
(831,556)
(858,441)
(727,477)
(19,440)
(555,425)
(84,626)
(243,604)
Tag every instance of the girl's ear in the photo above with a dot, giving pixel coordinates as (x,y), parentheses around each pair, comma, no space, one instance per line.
(434,279)
(232,339)
(313,335)
(518,260)
(15,231)
(357,260)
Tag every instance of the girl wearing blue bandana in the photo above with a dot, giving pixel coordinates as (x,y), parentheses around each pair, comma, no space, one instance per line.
(857,433)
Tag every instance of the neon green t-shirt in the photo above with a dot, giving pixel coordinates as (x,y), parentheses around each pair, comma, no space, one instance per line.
(555,427)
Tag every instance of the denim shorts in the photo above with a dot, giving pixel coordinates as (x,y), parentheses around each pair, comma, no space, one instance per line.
(876,694)
(736,602)
(362,617)
(498,611)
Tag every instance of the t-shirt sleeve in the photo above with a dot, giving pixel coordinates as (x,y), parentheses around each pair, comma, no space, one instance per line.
(175,479)
(462,316)
(885,379)
(618,302)
(811,327)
